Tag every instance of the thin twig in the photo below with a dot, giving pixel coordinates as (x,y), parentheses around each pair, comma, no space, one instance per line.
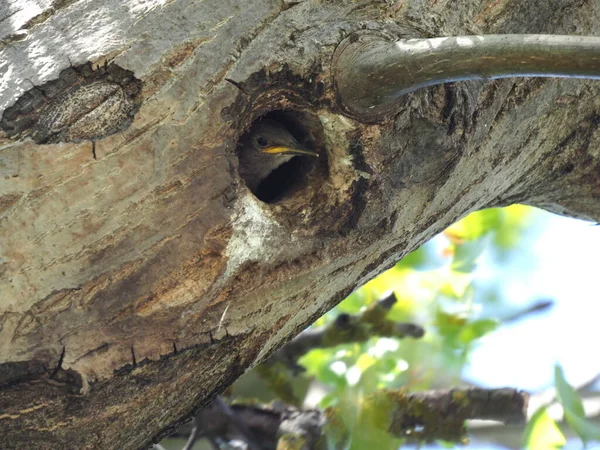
(193,436)
(239,426)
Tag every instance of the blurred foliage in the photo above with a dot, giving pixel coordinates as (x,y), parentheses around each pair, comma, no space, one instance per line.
(437,287)
(573,409)
(542,433)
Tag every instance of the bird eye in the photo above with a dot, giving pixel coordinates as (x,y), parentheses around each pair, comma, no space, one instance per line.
(262,141)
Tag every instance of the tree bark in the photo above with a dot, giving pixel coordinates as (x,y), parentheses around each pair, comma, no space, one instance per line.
(139,276)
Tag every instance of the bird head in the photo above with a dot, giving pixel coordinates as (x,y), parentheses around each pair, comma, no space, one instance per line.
(266,146)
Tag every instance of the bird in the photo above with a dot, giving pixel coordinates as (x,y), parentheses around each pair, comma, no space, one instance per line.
(266,146)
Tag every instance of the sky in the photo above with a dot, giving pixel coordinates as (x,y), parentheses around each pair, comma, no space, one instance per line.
(561,263)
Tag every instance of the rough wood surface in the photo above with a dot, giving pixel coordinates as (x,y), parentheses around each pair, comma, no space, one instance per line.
(135,286)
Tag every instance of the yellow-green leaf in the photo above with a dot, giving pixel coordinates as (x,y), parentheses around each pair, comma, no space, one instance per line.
(542,433)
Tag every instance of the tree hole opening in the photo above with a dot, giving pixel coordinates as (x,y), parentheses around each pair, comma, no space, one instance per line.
(280,155)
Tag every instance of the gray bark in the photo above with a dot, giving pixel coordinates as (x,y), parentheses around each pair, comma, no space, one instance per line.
(403,66)
(137,285)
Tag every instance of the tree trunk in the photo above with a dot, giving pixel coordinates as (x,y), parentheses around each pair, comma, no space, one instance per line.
(139,276)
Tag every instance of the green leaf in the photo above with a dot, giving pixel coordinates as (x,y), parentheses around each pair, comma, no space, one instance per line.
(353,303)
(466,254)
(573,409)
(449,326)
(425,258)
(316,360)
(369,424)
(457,286)
(478,329)
(514,220)
(585,429)
(414,259)
(365,361)
(567,396)
(475,225)
(542,433)
(329,400)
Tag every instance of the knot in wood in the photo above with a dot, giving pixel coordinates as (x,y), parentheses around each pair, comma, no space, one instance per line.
(82,104)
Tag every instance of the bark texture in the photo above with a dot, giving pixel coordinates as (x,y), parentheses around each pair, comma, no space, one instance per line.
(137,284)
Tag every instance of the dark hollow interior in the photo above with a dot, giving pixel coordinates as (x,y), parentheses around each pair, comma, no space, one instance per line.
(291,177)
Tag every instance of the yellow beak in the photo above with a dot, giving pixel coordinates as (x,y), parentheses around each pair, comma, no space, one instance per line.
(289,150)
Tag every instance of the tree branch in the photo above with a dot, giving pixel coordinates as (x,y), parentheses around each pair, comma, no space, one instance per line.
(263,425)
(346,329)
(422,416)
(441,414)
(372,73)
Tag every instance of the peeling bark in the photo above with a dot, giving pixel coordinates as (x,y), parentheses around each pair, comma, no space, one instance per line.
(129,281)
